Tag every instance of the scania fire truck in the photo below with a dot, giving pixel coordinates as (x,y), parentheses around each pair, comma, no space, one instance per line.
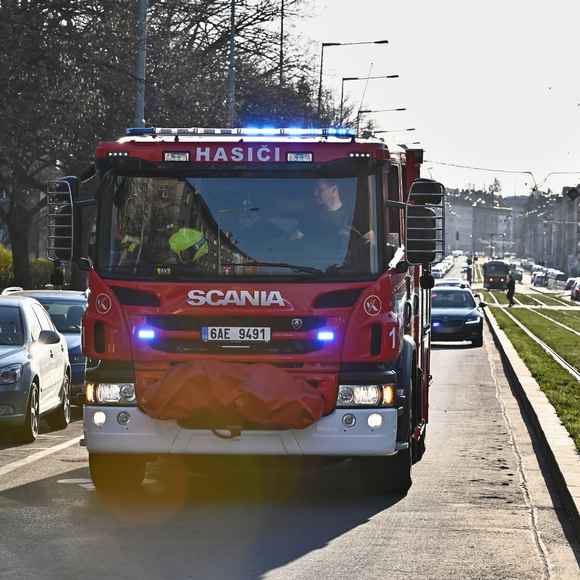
(259,292)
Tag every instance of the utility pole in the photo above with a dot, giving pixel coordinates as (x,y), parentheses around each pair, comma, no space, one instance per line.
(282,45)
(139,120)
(232,68)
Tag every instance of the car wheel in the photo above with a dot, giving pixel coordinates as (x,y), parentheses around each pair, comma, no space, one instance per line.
(60,418)
(29,431)
(119,473)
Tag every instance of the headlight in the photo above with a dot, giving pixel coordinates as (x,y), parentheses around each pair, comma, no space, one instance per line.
(473,320)
(118,393)
(366,395)
(10,375)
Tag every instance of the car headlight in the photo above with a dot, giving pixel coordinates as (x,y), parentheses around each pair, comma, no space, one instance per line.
(10,374)
(115,393)
(473,320)
(366,396)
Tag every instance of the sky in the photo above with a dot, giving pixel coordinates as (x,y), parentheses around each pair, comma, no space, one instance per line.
(491,84)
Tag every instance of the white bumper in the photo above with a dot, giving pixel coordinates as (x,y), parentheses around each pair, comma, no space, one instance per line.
(328,436)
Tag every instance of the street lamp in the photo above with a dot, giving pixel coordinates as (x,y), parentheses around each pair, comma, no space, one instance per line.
(329,44)
(346,79)
(367,111)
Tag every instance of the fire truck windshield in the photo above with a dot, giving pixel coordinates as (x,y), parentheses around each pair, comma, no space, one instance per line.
(188,228)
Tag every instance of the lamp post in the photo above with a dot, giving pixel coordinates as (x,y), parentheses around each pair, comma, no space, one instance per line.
(329,44)
(367,111)
(372,78)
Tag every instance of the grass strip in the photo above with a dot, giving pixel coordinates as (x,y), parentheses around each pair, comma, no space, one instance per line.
(547,300)
(565,343)
(486,296)
(570,318)
(525,299)
(558,385)
(501,297)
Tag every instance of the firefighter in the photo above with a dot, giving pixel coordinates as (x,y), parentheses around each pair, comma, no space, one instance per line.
(189,245)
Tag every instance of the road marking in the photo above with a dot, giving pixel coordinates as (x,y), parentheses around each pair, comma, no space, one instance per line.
(80,481)
(37,456)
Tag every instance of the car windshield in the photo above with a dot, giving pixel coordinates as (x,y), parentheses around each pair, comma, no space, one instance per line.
(11,332)
(214,227)
(495,268)
(452,299)
(65,315)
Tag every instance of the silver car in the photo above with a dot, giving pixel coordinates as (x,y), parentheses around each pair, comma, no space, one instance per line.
(34,369)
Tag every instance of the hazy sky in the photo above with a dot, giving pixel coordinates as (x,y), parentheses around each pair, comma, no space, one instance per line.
(492,83)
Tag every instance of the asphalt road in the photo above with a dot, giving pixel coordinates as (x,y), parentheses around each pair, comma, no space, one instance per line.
(479,507)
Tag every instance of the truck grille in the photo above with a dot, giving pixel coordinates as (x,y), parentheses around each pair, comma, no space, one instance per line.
(277,324)
(192,346)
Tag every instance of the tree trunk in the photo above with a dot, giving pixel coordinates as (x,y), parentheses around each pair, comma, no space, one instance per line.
(18,228)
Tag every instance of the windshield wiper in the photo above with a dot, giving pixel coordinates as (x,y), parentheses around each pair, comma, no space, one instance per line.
(306,269)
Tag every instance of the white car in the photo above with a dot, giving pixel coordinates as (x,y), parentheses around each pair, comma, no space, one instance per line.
(34,368)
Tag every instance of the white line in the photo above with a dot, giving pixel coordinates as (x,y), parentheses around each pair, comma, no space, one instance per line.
(37,456)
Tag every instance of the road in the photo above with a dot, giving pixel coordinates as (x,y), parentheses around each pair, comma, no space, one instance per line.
(479,507)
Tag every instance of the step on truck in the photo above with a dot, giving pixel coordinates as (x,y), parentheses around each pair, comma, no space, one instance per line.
(260,292)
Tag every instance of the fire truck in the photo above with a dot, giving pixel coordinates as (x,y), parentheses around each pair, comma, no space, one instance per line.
(261,292)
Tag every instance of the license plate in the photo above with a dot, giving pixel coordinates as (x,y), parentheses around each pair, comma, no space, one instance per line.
(235,334)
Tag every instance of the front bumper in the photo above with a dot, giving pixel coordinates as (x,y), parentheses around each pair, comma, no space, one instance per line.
(13,406)
(327,437)
(465,332)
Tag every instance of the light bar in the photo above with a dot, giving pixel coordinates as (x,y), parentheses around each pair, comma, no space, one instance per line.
(340,132)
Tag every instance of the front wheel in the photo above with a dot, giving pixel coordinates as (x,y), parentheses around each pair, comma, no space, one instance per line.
(117,472)
(29,431)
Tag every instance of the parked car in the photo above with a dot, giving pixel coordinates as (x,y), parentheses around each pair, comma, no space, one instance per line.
(34,368)
(575,290)
(539,279)
(456,316)
(66,309)
(517,274)
(569,283)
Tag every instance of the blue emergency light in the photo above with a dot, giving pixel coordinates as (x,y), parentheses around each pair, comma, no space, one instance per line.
(325,335)
(339,132)
(146,334)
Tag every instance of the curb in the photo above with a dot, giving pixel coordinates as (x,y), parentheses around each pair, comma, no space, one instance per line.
(563,458)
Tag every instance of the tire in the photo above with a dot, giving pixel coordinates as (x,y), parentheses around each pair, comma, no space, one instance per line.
(477,342)
(29,431)
(117,472)
(60,418)
(390,475)
(419,447)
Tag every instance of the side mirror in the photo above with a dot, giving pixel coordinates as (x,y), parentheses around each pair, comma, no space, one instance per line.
(60,196)
(423,235)
(427,281)
(48,337)
(402,267)
(426,192)
(85,264)
(483,305)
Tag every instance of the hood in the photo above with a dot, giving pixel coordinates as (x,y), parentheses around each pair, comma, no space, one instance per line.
(455,312)
(73,340)
(12,354)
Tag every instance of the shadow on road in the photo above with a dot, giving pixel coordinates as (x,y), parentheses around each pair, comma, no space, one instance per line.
(217,524)
(9,437)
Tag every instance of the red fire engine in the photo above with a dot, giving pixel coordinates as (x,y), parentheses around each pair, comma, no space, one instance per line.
(254,292)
